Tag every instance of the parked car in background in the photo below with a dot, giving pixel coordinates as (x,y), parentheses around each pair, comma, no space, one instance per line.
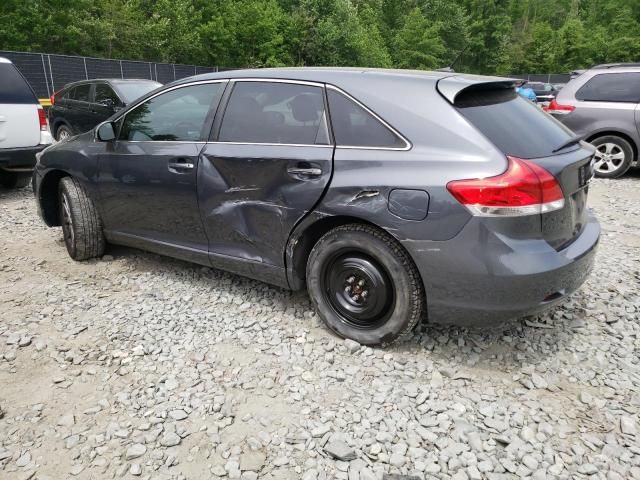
(545,92)
(394,196)
(23,127)
(523,89)
(80,106)
(602,106)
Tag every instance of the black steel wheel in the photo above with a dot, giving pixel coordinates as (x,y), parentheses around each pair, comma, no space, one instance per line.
(357,288)
(364,285)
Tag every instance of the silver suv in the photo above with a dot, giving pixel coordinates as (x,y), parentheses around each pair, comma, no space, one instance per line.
(602,105)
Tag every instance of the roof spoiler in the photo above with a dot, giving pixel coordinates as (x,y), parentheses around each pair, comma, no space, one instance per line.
(451,87)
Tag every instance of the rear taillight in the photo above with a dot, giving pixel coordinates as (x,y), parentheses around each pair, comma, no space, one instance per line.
(558,108)
(524,189)
(52,99)
(42,118)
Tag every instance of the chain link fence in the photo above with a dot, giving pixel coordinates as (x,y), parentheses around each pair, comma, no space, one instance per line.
(48,73)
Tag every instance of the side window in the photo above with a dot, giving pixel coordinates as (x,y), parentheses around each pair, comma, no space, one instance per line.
(354,126)
(611,87)
(274,112)
(13,87)
(105,95)
(81,93)
(177,115)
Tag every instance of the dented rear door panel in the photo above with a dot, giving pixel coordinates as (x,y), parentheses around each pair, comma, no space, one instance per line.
(251,197)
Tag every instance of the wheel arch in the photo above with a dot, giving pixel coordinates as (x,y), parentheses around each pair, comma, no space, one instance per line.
(306,235)
(616,133)
(48,196)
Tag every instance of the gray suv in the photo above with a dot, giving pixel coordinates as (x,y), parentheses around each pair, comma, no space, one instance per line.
(602,105)
(392,195)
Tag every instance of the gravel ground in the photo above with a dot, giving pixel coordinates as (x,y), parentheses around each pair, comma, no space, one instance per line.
(137,366)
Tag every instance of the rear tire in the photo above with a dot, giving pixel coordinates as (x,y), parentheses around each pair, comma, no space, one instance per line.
(63,133)
(613,156)
(14,180)
(364,285)
(81,224)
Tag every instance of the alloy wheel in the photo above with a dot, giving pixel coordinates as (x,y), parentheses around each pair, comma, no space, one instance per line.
(67,220)
(609,158)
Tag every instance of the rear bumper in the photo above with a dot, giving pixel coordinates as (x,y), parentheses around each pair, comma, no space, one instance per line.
(482,277)
(19,159)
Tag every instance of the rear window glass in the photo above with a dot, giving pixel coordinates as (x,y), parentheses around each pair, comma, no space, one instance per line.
(354,126)
(611,87)
(515,125)
(13,87)
(81,93)
(131,91)
(280,113)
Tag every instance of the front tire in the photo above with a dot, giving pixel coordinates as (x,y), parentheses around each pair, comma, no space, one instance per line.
(613,156)
(80,222)
(364,285)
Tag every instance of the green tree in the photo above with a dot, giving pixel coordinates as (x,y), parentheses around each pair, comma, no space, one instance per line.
(418,43)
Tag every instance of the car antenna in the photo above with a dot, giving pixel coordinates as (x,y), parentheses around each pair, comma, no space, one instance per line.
(449,68)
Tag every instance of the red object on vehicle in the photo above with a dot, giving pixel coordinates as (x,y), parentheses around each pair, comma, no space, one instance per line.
(559,109)
(525,188)
(52,99)
(42,118)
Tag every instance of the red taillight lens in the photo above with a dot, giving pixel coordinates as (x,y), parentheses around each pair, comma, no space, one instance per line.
(42,118)
(557,108)
(52,99)
(524,189)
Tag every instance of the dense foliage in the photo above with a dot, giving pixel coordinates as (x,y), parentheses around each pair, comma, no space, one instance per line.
(485,36)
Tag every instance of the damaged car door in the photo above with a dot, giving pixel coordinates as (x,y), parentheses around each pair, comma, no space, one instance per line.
(267,164)
(148,174)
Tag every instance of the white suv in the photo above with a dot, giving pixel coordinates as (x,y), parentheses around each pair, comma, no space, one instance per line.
(24,130)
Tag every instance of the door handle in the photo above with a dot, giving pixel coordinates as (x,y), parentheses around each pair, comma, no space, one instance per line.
(180,164)
(307,171)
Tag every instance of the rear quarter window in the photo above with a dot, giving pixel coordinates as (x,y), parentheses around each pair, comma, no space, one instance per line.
(514,125)
(353,126)
(13,87)
(611,87)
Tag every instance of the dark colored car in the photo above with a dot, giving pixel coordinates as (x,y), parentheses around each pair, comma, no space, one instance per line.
(545,92)
(394,196)
(80,106)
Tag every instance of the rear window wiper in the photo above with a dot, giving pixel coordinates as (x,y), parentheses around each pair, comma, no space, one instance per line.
(568,143)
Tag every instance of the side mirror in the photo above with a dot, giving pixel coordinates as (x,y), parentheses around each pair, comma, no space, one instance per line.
(105,132)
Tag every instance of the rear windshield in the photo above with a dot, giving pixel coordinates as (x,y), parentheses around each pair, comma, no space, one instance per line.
(129,91)
(514,125)
(13,87)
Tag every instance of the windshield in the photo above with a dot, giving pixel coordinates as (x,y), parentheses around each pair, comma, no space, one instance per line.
(132,90)
(515,125)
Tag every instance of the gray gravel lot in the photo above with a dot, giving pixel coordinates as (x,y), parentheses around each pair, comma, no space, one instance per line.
(137,366)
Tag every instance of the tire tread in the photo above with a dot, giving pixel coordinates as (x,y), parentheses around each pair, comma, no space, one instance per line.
(88,236)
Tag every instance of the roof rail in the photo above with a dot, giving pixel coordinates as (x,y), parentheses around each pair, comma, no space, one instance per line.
(604,66)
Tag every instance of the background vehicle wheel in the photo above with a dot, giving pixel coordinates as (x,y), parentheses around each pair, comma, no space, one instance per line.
(81,224)
(63,133)
(613,156)
(364,285)
(14,180)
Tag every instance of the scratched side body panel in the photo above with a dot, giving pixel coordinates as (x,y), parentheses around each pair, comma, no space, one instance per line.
(249,202)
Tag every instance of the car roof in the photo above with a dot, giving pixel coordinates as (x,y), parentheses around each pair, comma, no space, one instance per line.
(335,74)
(5,60)
(109,80)
(616,67)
